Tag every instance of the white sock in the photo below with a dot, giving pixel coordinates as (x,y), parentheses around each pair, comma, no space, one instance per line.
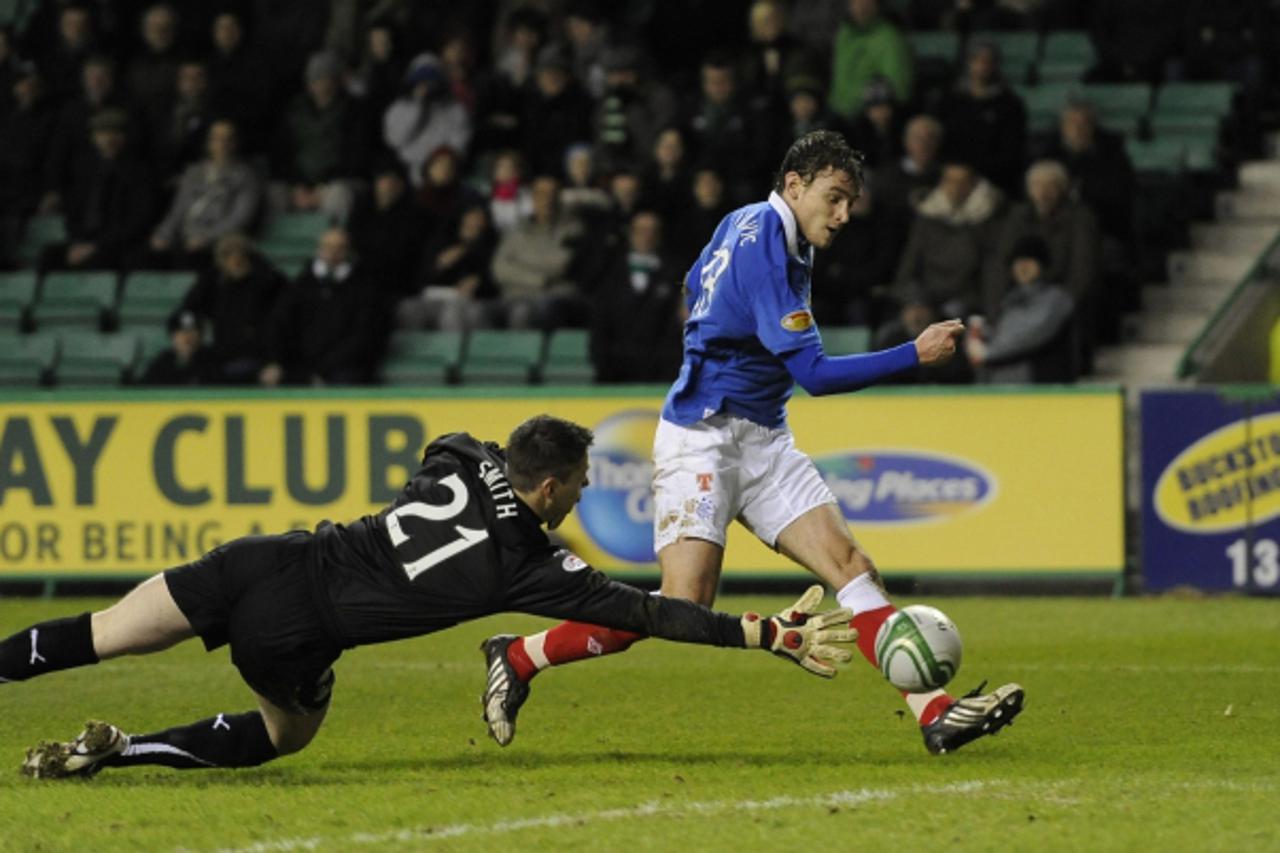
(533,647)
(862,594)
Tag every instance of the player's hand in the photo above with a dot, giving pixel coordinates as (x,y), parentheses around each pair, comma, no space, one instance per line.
(937,343)
(802,636)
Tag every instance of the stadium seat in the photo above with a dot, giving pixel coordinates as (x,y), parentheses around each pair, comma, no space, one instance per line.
(511,357)
(291,236)
(422,358)
(27,359)
(89,358)
(17,293)
(152,339)
(1068,55)
(1018,51)
(935,45)
(568,358)
(1044,104)
(39,232)
(83,299)
(1121,107)
(843,340)
(150,297)
(1191,106)
(1157,156)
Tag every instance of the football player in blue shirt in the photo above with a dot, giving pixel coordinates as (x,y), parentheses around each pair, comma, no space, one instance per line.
(722,449)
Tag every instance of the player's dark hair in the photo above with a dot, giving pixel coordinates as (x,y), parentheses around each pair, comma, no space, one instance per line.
(545,446)
(814,153)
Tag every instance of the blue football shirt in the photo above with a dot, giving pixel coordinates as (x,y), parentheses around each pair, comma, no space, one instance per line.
(748,300)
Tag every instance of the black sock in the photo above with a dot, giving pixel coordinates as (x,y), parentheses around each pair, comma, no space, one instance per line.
(227,740)
(47,647)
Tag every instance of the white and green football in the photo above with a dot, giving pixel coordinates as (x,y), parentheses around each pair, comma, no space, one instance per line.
(918,649)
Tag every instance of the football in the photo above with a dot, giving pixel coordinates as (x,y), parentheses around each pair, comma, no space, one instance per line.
(918,649)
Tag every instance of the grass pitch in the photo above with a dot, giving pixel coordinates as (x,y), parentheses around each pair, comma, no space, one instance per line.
(1149,724)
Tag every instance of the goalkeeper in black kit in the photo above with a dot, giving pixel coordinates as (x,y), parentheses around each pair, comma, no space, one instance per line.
(463,539)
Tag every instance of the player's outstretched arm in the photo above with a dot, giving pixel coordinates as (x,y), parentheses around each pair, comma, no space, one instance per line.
(819,374)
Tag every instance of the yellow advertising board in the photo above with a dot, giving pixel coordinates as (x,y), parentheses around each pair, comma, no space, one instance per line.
(989,482)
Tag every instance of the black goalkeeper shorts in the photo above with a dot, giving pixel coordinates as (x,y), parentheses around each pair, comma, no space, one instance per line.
(254,594)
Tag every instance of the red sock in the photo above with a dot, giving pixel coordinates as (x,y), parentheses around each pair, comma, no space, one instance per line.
(565,643)
(867,624)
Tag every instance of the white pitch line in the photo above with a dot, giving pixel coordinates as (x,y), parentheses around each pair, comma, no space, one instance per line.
(644,810)
(1158,668)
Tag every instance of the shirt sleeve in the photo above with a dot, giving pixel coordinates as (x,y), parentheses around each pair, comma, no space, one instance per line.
(818,373)
(783,321)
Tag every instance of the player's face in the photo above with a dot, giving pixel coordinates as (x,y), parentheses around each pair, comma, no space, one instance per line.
(565,495)
(822,206)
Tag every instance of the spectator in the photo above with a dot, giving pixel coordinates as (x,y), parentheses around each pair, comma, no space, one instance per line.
(710,205)
(850,277)
(9,70)
(722,130)
(1134,39)
(187,361)
(443,194)
(236,296)
(1032,340)
(985,121)
(632,110)
(635,330)
(376,80)
(72,143)
(867,44)
(1071,233)
(326,322)
(151,72)
(587,35)
(667,176)
(877,129)
(951,247)
(322,146)
(582,195)
(498,96)
(387,231)
(555,113)
(25,136)
(771,54)
(61,66)
(458,59)
(240,80)
(179,125)
(901,185)
(218,196)
(532,264)
(806,107)
(109,203)
(1099,166)
(458,290)
(424,117)
(509,200)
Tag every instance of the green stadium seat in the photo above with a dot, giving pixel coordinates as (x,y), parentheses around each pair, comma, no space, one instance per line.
(83,299)
(17,293)
(39,232)
(1157,156)
(844,340)
(152,338)
(96,359)
(511,357)
(1121,107)
(290,236)
(423,358)
(1068,55)
(27,360)
(935,45)
(150,297)
(1193,109)
(1017,46)
(1044,103)
(568,358)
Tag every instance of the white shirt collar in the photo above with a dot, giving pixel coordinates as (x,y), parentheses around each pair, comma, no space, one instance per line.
(789,229)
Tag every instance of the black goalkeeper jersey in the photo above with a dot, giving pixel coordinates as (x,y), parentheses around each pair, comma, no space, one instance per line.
(457,544)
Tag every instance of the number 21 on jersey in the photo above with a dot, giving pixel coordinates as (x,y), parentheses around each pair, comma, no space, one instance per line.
(466,536)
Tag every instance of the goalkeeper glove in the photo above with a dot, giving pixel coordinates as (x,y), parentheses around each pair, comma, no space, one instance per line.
(801,636)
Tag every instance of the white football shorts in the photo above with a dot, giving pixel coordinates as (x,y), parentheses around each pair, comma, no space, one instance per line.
(726,467)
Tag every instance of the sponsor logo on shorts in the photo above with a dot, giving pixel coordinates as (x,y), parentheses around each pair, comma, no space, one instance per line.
(1228,479)
(797,321)
(617,509)
(896,487)
(704,482)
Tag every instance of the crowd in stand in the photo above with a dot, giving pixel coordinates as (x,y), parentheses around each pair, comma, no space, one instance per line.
(560,163)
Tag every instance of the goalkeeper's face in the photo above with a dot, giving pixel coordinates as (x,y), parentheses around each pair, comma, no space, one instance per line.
(821,206)
(565,495)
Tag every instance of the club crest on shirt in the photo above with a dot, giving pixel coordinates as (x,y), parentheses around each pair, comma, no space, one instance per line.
(572,562)
(797,321)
